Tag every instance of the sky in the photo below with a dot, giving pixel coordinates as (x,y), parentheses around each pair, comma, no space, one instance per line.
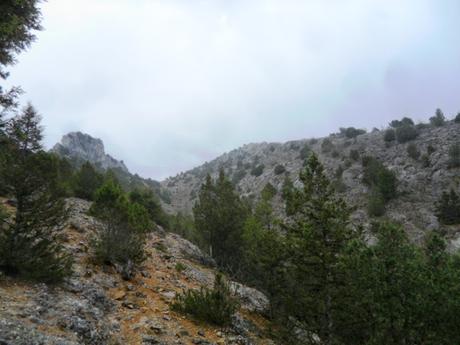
(170,84)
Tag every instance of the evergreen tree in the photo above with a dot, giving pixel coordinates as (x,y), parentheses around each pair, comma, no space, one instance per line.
(265,254)
(316,239)
(148,199)
(220,216)
(438,119)
(379,178)
(440,307)
(288,195)
(17,21)
(86,181)
(395,281)
(448,208)
(29,245)
(121,239)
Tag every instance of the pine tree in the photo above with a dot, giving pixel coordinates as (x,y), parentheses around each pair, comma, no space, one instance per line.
(121,239)
(265,254)
(438,119)
(448,208)
(29,246)
(86,181)
(17,21)
(394,280)
(220,215)
(440,307)
(151,203)
(317,237)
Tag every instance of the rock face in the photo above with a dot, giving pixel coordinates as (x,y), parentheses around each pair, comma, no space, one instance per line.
(421,182)
(83,147)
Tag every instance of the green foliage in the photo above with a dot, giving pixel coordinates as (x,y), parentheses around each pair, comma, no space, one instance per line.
(351,132)
(390,135)
(395,285)
(86,181)
(405,121)
(448,208)
(457,118)
(258,170)
(327,145)
(354,155)
(287,194)
(439,119)
(430,149)
(238,176)
(376,205)
(406,133)
(269,191)
(65,176)
(180,267)
(17,21)
(279,169)
(413,151)
(29,245)
(454,156)
(219,218)
(425,159)
(335,154)
(121,239)
(264,253)
(215,306)
(316,239)
(305,152)
(150,202)
(379,178)
(184,225)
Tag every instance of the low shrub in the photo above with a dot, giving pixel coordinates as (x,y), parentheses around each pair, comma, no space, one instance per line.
(390,135)
(448,208)
(406,133)
(215,306)
(335,154)
(379,178)
(376,205)
(238,176)
(327,145)
(180,267)
(279,169)
(351,132)
(354,155)
(425,159)
(413,151)
(405,121)
(454,156)
(258,170)
(457,118)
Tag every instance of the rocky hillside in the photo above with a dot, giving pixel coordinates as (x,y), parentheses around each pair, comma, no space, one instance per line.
(97,307)
(421,181)
(83,147)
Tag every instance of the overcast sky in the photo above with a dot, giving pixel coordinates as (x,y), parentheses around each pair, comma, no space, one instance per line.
(169,84)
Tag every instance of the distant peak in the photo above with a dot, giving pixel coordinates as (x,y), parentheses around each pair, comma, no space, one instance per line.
(83,147)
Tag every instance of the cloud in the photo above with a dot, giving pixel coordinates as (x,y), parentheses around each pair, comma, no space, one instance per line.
(170,84)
